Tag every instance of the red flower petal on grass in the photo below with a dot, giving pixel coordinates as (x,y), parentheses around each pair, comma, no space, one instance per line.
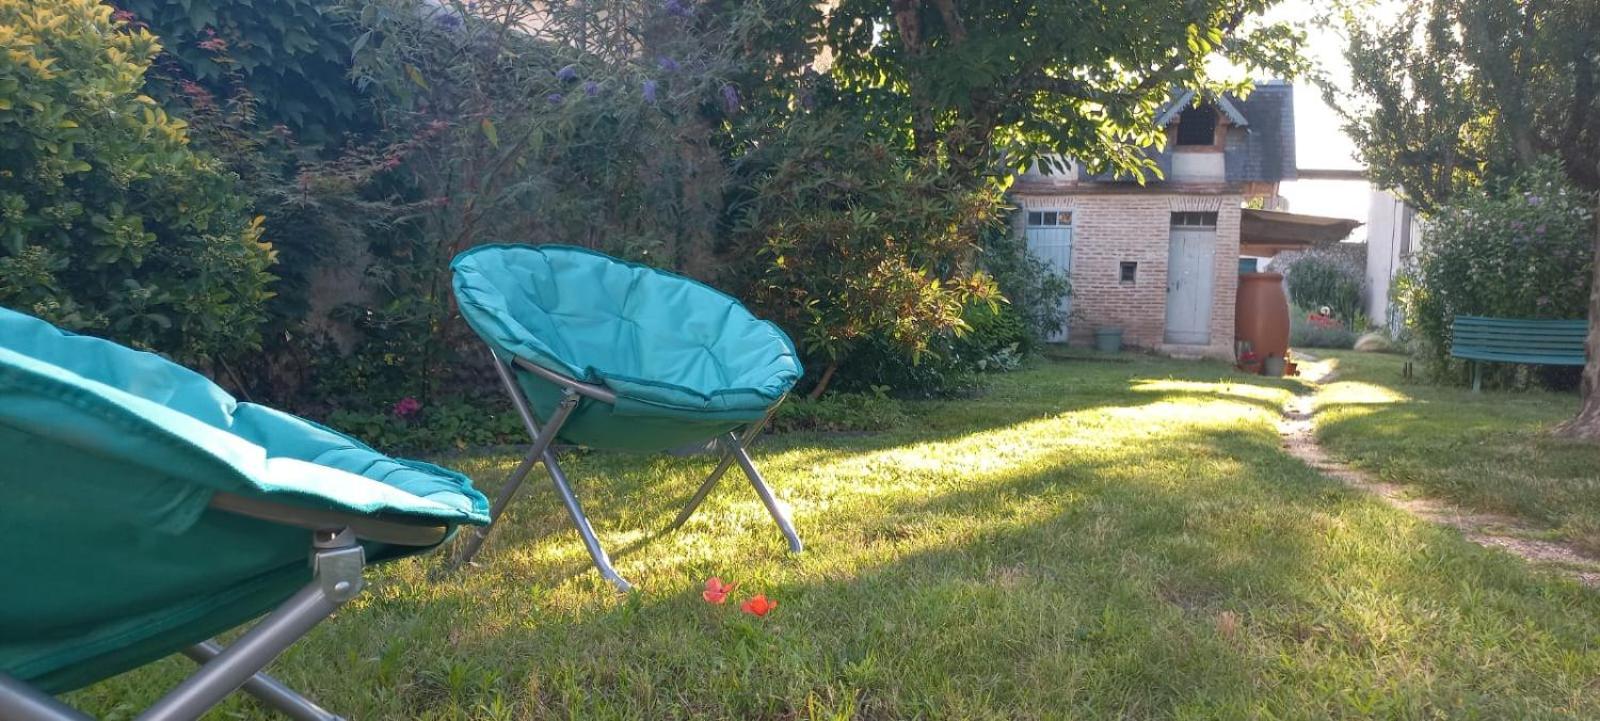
(717,591)
(758,606)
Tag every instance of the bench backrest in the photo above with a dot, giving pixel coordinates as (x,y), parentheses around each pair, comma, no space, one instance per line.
(1517,340)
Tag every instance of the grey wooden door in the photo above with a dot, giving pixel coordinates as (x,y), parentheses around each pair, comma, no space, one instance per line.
(1049,236)
(1191,273)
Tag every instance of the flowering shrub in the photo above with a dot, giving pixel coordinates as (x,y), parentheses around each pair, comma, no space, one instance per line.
(109,222)
(1312,329)
(1520,251)
(1327,277)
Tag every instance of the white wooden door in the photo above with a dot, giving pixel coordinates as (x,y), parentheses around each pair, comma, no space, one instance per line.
(1190,275)
(1049,236)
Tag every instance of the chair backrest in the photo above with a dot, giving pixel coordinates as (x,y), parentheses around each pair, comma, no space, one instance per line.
(1518,340)
(599,319)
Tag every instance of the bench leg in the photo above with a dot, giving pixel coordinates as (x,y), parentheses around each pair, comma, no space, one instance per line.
(1477,377)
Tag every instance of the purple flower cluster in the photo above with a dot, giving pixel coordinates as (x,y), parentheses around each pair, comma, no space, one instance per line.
(730,98)
(406,407)
(649,90)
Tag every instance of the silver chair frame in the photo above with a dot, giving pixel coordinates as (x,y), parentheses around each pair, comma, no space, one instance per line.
(733,445)
(337,561)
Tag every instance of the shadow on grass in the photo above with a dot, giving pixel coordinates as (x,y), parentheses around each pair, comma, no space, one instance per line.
(1112,546)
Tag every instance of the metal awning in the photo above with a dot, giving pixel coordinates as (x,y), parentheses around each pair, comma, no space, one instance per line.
(1266,233)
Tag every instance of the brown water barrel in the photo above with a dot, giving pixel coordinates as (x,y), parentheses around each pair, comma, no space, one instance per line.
(1262,314)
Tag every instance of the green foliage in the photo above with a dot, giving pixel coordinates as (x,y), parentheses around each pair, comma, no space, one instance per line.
(1522,250)
(1452,94)
(868,412)
(986,83)
(290,57)
(859,242)
(450,425)
(1033,287)
(109,222)
(1309,330)
(1328,277)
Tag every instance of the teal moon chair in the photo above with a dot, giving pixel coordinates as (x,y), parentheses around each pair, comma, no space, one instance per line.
(611,355)
(143,511)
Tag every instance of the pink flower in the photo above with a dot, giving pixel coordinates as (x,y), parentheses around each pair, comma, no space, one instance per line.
(717,591)
(407,407)
(213,44)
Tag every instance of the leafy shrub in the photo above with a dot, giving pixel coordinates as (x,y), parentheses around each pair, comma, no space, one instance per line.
(291,58)
(1033,287)
(109,222)
(1327,277)
(949,365)
(1309,329)
(1522,250)
(410,426)
(841,412)
(860,243)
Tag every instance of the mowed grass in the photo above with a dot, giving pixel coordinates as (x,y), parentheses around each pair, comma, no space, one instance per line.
(1088,540)
(1490,451)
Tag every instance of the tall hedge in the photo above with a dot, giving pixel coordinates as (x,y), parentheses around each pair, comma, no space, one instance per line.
(109,222)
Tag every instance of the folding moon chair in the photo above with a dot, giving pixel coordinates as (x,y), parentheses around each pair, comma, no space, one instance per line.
(611,355)
(143,510)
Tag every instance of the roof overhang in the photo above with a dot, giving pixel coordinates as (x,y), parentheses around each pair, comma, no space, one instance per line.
(1266,233)
(1186,98)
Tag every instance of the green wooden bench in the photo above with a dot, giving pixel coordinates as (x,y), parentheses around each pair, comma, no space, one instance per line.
(1515,340)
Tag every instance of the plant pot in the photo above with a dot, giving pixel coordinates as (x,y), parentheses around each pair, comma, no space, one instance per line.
(1108,340)
(1272,366)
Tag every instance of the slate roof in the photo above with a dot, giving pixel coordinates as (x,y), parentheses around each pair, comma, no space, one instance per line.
(1265,150)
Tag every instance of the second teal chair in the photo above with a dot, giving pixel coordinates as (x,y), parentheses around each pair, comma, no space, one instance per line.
(612,355)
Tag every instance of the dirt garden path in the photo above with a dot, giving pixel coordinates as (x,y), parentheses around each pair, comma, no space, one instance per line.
(1485,529)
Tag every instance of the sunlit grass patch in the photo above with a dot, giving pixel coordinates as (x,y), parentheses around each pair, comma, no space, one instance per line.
(1085,540)
(1490,451)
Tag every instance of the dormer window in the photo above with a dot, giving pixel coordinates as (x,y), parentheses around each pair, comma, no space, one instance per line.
(1197,126)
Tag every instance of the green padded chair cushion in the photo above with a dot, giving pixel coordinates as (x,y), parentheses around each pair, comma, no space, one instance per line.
(113,556)
(684,359)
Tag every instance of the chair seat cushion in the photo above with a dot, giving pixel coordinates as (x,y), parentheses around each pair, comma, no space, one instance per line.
(668,346)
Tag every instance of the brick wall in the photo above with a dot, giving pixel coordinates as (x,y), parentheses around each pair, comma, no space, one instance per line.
(1110,228)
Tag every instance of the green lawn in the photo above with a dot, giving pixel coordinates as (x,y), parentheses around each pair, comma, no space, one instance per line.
(1087,540)
(1488,451)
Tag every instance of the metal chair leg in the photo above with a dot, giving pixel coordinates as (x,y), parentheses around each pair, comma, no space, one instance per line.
(267,689)
(541,444)
(778,514)
(751,433)
(602,562)
(21,702)
(703,491)
(338,562)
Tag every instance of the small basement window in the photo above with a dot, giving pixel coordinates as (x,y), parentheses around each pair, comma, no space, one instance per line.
(1192,219)
(1129,272)
(1198,126)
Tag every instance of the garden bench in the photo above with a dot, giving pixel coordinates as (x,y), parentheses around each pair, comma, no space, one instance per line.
(1516,340)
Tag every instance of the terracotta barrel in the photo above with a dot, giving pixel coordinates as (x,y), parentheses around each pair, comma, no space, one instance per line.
(1262,315)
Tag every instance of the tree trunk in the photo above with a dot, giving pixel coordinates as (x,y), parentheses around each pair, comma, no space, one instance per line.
(1586,425)
(822,383)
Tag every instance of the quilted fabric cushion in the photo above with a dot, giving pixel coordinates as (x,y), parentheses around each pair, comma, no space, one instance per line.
(667,346)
